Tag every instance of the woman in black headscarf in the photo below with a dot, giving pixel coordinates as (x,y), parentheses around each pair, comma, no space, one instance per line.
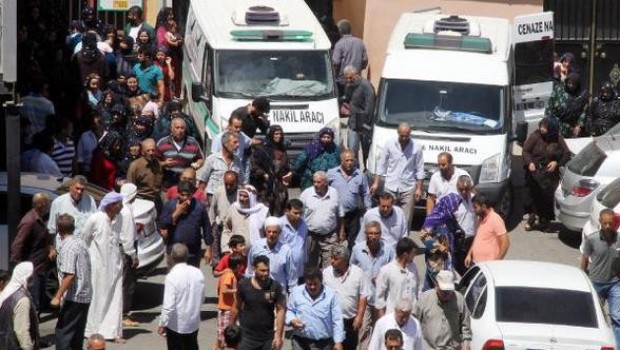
(567,105)
(271,171)
(544,152)
(104,165)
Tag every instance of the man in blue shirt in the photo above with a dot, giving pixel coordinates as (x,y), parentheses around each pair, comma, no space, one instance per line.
(401,165)
(294,233)
(353,193)
(370,255)
(150,77)
(282,268)
(182,220)
(315,315)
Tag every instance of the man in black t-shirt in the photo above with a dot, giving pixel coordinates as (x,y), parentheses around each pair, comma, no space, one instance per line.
(254,116)
(257,298)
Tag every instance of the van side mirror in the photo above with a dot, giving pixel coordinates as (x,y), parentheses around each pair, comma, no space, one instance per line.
(198,93)
(520,133)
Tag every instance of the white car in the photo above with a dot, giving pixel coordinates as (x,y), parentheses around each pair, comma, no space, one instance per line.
(534,305)
(608,197)
(584,176)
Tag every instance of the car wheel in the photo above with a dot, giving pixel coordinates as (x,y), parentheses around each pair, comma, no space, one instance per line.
(51,283)
(504,205)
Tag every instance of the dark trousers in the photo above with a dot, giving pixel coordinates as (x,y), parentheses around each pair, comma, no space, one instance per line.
(350,335)
(71,325)
(129,284)
(300,343)
(37,290)
(352,225)
(178,341)
(249,343)
(461,248)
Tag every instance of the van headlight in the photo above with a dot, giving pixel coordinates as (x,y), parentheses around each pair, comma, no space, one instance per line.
(490,169)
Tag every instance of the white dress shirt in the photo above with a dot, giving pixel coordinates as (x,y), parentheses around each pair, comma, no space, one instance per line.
(184,293)
(350,288)
(412,334)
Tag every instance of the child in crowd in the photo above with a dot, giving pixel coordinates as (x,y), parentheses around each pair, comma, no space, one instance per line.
(237,246)
(226,291)
(232,337)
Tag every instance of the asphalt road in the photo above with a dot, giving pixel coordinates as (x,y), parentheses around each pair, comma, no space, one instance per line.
(558,246)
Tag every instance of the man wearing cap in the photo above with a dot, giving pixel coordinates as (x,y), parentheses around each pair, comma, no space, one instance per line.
(281,265)
(253,116)
(129,236)
(102,236)
(443,315)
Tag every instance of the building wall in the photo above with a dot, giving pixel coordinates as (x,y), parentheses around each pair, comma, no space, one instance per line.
(354,11)
(381,15)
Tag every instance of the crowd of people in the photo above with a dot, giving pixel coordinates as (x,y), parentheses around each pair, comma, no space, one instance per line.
(328,267)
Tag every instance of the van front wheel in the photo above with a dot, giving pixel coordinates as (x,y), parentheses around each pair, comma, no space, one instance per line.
(504,204)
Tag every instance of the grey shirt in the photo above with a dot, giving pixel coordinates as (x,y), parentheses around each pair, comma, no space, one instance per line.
(603,266)
(349,50)
(445,325)
(321,214)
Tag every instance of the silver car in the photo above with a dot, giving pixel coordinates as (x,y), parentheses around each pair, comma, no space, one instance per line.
(150,244)
(607,198)
(583,177)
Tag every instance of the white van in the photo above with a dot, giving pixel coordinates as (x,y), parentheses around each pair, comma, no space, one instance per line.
(451,78)
(237,50)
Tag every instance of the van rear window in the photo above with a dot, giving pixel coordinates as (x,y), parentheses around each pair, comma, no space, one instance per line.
(588,161)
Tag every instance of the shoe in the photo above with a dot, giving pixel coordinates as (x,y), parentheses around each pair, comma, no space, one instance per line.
(128,322)
(531,222)
(544,225)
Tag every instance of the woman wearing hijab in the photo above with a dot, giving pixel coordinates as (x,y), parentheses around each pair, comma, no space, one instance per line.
(271,172)
(91,60)
(106,156)
(321,154)
(126,57)
(544,152)
(567,105)
(133,151)
(245,217)
(102,234)
(19,324)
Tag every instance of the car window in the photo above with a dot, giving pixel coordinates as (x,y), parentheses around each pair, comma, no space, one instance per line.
(25,206)
(474,291)
(467,278)
(481,305)
(546,306)
(610,195)
(588,161)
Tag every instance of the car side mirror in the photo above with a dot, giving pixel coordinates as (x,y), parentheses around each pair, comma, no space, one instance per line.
(198,93)
(520,133)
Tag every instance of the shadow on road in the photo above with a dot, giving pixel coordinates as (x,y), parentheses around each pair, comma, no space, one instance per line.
(570,238)
(145,316)
(151,295)
(129,333)
(207,315)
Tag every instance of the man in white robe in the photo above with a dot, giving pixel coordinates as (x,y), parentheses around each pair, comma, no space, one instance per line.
(129,236)
(102,235)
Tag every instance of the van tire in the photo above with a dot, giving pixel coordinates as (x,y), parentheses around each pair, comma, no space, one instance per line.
(504,205)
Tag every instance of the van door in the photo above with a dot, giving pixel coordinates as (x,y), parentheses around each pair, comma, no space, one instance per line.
(532,42)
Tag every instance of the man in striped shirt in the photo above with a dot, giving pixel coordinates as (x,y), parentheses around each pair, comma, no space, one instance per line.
(178,151)
(64,148)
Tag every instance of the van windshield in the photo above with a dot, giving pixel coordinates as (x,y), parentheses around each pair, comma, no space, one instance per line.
(442,106)
(280,75)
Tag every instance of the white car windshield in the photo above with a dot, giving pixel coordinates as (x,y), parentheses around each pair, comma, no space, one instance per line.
(276,74)
(442,106)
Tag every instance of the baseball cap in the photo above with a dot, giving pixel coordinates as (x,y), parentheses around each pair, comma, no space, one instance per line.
(445,280)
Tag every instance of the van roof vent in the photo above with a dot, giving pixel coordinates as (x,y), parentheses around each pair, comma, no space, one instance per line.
(453,24)
(259,15)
